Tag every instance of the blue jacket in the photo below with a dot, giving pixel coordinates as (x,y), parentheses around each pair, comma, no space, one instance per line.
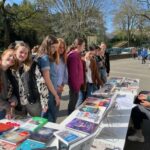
(144,53)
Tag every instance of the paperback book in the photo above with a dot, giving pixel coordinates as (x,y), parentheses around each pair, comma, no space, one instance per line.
(98,103)
(67,137)
(34,123)
(44,134)
(89,109)
(7,146)
(82,126)
(105,90)
(15,137)
(31,145)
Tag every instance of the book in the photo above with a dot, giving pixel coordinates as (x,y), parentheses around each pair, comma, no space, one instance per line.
(44,134)
(97,103)
(7,146)
(31,145)
(82,125)
(91,117)
(15,137)
(5,127)
(94,110)
(34,123)
(67,137)
(107,89)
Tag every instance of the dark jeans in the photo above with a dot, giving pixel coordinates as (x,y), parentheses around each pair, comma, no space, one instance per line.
(73,97)
(2,114)
(143,60)
(91,87)
(52,111)
(138,114)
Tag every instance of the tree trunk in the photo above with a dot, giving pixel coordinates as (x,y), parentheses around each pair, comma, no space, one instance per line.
(6,33)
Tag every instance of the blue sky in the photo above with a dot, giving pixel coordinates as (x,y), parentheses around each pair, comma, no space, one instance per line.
(107,10)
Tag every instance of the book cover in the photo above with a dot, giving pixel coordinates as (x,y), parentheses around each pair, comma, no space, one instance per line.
(34,123)
(94,110)
(91,117)
(15,137)
(7,146)
(5,127)
(44,134)
(67,137)
(87,116)
(30,145)
(82,125)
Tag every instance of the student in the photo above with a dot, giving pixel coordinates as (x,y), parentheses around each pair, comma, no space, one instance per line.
(75,73)
(106,56)
(140,112)
(62,66)
(92,75)
(33,91)
(48,58)
(7,100)
(101,64)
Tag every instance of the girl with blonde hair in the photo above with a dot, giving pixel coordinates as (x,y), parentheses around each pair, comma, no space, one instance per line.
(33,92)
(48,59)
(62,67)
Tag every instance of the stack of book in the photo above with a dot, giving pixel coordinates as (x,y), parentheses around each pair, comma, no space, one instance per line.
(28,136)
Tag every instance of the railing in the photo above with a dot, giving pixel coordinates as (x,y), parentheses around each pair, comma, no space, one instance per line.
(121,56)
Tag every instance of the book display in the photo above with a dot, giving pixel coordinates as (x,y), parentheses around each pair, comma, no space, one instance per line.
(77,130)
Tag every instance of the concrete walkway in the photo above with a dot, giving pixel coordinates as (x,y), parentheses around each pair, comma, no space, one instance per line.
(126,68)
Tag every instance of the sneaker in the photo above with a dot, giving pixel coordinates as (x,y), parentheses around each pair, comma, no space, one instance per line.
(136,137)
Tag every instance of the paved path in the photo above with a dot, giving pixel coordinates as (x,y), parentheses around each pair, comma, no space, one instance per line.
(127,68)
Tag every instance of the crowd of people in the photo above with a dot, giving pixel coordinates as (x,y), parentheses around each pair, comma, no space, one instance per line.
(32,81)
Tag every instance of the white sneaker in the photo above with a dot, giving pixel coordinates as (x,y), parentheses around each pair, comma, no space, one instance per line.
(136,137)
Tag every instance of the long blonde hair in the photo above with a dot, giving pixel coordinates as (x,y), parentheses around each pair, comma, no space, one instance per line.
(27,63)
(60,42)
(45,48)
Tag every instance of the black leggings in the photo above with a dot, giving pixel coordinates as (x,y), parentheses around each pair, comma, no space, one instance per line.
(138,114)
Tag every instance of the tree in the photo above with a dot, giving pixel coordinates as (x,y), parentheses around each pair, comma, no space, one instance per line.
(145,9)
(72,18)
(126,20)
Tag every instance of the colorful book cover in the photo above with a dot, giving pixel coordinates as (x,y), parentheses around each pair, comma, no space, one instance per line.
(82,125)
(7,146)
(87,115)
(15,137)
(35,123)
(94,110)
(67,137)
(5,127)
(44,134)
(31,144)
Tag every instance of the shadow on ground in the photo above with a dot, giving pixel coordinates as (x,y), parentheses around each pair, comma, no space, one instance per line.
(137,145)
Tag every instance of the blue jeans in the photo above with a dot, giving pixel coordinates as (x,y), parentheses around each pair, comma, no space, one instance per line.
(80,99)
(103,74)
(91,87)
(52,111)
(2,114)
